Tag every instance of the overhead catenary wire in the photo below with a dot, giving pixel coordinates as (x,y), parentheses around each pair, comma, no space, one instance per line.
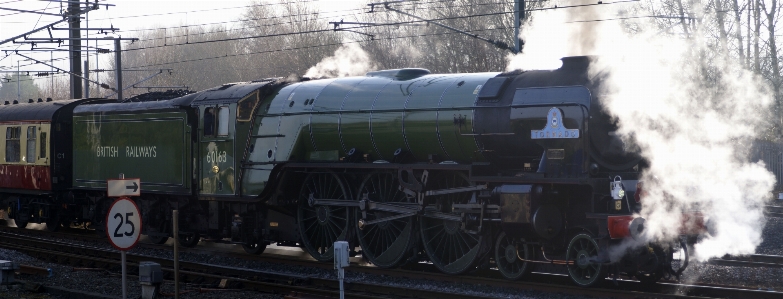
(317,31)
(276,17)
(306,32)
(305,47)
(387,24)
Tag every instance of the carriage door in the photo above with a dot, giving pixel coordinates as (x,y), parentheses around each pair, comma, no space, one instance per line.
(216,149)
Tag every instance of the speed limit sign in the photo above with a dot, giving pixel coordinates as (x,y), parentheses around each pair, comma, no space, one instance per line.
(123,223)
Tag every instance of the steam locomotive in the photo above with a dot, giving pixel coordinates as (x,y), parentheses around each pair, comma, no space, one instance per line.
(506,170)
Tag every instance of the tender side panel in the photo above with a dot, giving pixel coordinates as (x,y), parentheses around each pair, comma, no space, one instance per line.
(149,146)
(24,156)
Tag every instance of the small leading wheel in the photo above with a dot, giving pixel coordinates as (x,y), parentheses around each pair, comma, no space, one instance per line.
(54,216)
(677,259)
(157,239)
(654,260)
(99,218)
(449,247)
(157,223)
(321,225)
(507,257)
(254,247)
(386,244)
(54,221)
(22,217)
(188,239)
(582,251)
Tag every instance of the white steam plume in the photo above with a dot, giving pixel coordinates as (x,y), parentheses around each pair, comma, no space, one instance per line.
(691,109)
(348,60)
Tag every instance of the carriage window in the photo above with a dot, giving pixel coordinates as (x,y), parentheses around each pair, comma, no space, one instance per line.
(43,145)
(12,144)
(222,124)
(31,142)
(246,106)
(209,121)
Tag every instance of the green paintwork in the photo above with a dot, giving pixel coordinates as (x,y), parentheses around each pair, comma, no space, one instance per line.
(255,176)
(458,147)
(297,127)
(355,129)
(321,120)
(421,126)
(151,146)
(387,126)
(324,127)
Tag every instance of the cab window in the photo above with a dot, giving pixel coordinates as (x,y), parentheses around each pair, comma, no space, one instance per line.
(12,147)
(222,124)
(246,106)
(31,142)
(209,121)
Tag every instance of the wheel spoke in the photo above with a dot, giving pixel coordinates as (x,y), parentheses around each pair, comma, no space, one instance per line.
(439,225)
(584,275)
(376,239)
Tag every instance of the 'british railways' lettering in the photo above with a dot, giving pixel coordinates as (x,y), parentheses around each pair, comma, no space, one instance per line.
(107,151)
(130,151)
(140,151)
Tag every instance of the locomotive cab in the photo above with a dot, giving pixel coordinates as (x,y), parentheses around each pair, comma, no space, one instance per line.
(217,132)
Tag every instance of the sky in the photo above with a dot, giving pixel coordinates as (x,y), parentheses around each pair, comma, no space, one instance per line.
(127,15)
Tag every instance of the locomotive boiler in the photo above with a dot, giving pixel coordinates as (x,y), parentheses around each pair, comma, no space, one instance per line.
(503,170)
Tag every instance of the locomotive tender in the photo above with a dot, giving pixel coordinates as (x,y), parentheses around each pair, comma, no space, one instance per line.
(463,170)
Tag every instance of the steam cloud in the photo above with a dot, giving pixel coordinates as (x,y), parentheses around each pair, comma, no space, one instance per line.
(348,60)
(691,109)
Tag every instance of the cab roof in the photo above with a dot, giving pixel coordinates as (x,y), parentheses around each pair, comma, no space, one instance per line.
(227,93)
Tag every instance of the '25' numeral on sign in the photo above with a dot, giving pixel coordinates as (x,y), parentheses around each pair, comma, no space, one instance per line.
(126,220)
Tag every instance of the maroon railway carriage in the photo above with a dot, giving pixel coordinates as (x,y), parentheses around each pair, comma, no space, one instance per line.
(35,159)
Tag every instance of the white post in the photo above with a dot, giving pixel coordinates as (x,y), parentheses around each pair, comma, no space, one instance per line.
(122,254)
(124,283)
(175,231)
(340,262)
(341,276)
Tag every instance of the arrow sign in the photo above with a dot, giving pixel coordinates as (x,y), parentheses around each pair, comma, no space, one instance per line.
(135,187)
(123,187)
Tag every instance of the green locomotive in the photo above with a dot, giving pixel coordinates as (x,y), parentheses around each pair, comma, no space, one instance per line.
(462,170)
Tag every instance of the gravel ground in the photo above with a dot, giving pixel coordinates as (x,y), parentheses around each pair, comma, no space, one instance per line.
(759,278)
(109,283)
(102,282)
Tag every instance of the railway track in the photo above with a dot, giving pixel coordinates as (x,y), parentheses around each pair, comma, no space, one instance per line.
(265,281)
(774,211)
(753,260)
